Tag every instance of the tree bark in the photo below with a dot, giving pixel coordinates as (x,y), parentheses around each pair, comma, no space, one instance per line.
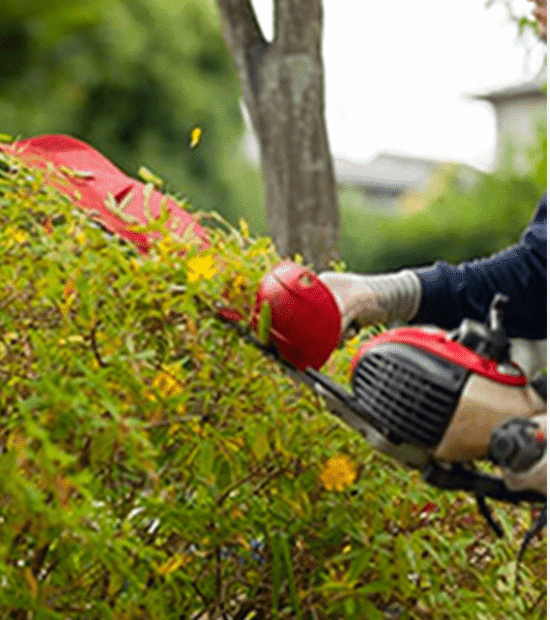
(283,89)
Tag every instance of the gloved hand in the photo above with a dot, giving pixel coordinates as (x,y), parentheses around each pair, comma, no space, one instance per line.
(369,300)
(534,478)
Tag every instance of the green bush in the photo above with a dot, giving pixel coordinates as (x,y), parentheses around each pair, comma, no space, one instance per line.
(153,466)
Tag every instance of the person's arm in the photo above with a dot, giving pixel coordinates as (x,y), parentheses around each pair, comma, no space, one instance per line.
(450,293)
(444,294)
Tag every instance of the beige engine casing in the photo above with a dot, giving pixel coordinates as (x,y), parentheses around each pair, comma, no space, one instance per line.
(484,405)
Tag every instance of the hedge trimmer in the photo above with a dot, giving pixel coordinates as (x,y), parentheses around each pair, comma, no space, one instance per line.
(428,398)
(433,400)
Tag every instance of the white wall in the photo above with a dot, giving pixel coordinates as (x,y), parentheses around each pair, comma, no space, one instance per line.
(517,121)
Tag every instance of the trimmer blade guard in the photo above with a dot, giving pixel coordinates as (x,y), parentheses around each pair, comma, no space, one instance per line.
(305,318)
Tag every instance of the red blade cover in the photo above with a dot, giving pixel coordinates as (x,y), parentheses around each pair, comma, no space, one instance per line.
(305,318)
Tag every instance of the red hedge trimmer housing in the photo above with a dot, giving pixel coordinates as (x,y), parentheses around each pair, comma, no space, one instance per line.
(412,380)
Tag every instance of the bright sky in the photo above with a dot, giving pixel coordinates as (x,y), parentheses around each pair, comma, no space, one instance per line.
(398,74)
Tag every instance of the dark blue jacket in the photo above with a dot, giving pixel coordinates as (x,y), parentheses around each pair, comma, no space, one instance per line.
(450,293)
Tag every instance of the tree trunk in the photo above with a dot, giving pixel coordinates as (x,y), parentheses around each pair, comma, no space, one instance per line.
(283,90)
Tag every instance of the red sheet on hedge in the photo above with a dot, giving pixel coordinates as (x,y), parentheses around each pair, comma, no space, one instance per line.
(95,178)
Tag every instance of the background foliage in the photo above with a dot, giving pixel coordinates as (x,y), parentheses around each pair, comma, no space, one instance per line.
(459,224)
(152,466)
(132,78)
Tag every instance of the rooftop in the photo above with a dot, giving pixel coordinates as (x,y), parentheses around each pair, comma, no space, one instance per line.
(532,87)
(386,170)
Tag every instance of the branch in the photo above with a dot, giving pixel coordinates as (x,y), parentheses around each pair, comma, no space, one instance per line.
(93,343)
(247,46)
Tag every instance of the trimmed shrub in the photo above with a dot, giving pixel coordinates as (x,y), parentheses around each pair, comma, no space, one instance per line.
(154,466)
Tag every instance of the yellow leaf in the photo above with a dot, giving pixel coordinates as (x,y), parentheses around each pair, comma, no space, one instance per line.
(244,228)
(31,581)
(174,429)
(260,447)
(196,134)
(68,290)
(236,513)
(173,564)
(239,283)
(149,177)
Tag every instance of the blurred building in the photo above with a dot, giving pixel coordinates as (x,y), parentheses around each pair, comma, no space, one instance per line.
(385,178)
(396,183)
(520,111)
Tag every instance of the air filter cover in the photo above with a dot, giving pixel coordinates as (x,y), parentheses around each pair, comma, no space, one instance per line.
(411,394)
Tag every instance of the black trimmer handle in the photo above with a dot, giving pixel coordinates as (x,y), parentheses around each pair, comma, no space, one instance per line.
(458,478)
(515,445)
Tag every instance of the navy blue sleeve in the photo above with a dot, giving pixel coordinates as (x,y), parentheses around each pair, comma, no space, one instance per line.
(450,293)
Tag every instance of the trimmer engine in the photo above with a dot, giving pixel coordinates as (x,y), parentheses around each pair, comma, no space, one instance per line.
(429,388)
(410,391)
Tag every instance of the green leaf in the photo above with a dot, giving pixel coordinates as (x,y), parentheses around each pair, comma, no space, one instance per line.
(360,564)
(260,445)
(285,550)
(264,322)
(276,574)
(223,467)
(370,611)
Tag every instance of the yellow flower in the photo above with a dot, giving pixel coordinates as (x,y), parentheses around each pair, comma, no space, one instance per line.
(16,235)
(80,237)
(166,383)
(339,472)
(201,267)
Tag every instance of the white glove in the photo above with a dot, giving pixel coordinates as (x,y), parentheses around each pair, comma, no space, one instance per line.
(370,300)
(534,478)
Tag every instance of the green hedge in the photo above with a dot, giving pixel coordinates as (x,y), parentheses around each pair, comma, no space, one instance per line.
(154,467)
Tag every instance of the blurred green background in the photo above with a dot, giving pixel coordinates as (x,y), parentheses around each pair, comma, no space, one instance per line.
(134,77)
